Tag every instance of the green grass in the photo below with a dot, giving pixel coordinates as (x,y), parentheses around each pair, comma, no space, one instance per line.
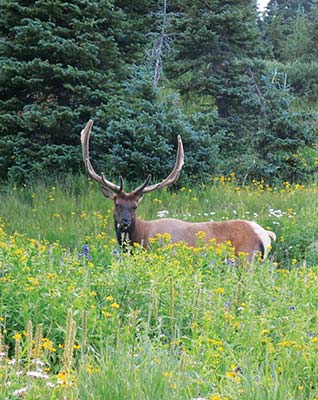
(167,323)
(75,209)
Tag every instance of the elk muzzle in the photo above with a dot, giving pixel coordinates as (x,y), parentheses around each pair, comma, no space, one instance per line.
(124,224)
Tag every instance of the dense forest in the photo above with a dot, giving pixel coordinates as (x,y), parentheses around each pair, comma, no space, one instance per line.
(239,86)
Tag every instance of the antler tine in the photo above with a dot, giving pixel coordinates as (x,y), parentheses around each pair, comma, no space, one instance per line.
(140,189)
(85,134)
(174,175)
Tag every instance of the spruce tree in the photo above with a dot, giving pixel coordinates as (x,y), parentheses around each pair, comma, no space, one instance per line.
(60,61)
(214,43)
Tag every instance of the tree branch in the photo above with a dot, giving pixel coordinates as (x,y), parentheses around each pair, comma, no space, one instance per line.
(159,45)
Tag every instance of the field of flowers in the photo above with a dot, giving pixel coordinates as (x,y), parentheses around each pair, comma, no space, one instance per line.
(81,320)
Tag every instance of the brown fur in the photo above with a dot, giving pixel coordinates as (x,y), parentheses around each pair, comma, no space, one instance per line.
(241,235)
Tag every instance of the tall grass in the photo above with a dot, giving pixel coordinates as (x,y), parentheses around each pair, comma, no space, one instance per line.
(172,323)
(74,210)
(79,319)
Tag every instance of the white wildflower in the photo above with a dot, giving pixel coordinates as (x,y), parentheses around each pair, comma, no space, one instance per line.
(20,392)
(162,213)
(37,374)
(276,213)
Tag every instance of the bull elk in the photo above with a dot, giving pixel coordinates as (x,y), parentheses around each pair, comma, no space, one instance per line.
(245,236)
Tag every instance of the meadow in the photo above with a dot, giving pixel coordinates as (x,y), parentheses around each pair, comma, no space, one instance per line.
(79,319)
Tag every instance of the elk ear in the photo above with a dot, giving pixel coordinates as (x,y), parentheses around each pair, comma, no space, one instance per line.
(107,193)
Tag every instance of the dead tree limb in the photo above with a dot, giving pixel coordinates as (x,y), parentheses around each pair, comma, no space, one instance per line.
(159,45)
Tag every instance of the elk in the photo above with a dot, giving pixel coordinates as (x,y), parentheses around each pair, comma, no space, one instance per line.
(244,236)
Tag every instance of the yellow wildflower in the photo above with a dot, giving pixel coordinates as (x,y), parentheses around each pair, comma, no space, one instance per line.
(17,337)
(219,290)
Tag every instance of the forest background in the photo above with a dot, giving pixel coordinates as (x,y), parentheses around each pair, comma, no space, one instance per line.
(239,86)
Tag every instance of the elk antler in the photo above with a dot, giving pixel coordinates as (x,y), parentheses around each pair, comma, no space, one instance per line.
(142,189)
(174,174)
(85,150)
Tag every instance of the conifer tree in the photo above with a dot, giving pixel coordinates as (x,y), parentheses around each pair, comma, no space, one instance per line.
(215,41)
(60,61)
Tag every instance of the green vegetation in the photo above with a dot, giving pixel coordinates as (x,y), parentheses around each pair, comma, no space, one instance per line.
(79,319)
(240,88)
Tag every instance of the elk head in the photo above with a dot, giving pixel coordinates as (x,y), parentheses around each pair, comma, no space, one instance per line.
(125,204)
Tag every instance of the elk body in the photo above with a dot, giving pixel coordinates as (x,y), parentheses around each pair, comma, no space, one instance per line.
(245,236)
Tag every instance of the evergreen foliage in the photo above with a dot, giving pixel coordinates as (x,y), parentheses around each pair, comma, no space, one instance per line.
(59,62)
(285,137)
(214,44)
(62,63)
(142,133)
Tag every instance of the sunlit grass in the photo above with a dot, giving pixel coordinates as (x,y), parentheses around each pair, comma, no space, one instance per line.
(174,322)
(79,319)
(71,211)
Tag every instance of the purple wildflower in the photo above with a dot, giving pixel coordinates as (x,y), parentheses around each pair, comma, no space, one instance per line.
(85,252)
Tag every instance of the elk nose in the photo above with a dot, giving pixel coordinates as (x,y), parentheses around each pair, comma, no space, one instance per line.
(125,222)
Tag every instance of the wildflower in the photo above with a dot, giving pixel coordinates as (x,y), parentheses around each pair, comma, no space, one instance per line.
(37,374)
(85,252)
(91,370)
(276,213)
(48,344)
(61,378)
(106,313)
(39,363)
(287,343)
(20,392)
(219,290)
(228,316)
(237,369)
(216,342)
(200,235)
(162,213)
(116,253)
(115,305)
(17,337)
(173,385)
